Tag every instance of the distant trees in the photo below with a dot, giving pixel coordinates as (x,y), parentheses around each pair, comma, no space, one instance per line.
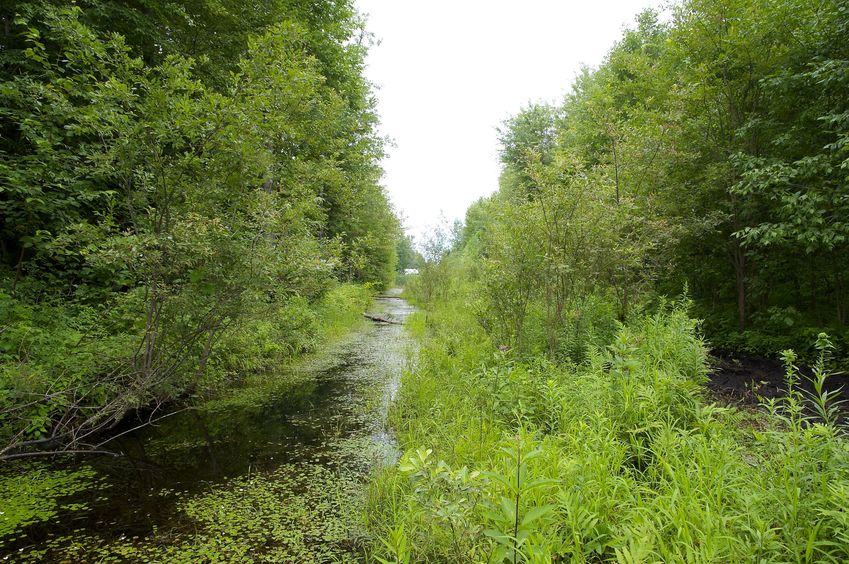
(408,256)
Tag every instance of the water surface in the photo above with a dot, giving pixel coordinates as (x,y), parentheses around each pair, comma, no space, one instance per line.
(274,472)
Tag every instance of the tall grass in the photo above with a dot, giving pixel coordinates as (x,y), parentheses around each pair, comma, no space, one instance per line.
(621,458)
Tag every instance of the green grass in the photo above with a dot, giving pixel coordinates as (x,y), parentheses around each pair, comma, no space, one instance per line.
(621,458)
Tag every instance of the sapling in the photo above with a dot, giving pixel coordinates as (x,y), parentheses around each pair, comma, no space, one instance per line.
(827,408)
(511,528)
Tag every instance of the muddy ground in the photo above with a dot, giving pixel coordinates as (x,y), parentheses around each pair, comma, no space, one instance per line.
(739,378)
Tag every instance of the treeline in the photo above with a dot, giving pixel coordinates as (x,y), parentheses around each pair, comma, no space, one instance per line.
(708,154)
(181,185)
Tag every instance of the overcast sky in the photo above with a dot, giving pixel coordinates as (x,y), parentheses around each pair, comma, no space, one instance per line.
(449,72)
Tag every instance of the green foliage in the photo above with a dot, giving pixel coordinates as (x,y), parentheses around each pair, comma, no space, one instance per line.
(408,258)
(293,328)
(619,458)
(32,494)
(707,150)
(177,205)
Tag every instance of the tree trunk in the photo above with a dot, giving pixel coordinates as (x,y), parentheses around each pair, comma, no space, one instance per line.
(740,282)
(19,268)
(615,166)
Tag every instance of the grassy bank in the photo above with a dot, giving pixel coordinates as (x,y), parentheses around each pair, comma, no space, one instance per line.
(619,458)
(288,332)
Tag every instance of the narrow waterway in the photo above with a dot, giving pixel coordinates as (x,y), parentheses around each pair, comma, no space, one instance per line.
(275,472)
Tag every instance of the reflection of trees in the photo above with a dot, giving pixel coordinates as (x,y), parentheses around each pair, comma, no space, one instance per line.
(209,443)
(223,437)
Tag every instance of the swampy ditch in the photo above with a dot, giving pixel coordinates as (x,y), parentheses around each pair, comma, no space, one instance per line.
(269,472)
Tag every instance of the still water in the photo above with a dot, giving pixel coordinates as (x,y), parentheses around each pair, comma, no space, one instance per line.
(270,473)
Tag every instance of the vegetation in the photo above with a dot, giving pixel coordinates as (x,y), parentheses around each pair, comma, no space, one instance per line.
(189,196)
(408,256)
(622,456)
(182,189)
(707,151)
(557,411)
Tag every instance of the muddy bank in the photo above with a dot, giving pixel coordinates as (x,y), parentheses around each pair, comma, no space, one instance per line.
(745,379)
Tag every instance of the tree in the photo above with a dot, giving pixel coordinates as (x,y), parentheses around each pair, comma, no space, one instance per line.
(153,205)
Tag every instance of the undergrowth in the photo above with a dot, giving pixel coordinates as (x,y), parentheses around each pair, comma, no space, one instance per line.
(619,458)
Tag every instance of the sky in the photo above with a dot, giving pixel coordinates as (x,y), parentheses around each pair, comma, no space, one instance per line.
(449,72)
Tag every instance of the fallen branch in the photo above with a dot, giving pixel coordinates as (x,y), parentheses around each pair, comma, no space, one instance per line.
(55,453)
(380,319)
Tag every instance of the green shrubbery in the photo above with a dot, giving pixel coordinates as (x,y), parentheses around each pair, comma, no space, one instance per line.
(778,329)
(287,330)
(707,150)
(53,354)
(169,224)
(621,457)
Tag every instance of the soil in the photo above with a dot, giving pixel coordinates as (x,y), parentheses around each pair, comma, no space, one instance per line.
(740,378)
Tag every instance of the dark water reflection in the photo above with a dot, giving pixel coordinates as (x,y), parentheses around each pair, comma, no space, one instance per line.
(342,395)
